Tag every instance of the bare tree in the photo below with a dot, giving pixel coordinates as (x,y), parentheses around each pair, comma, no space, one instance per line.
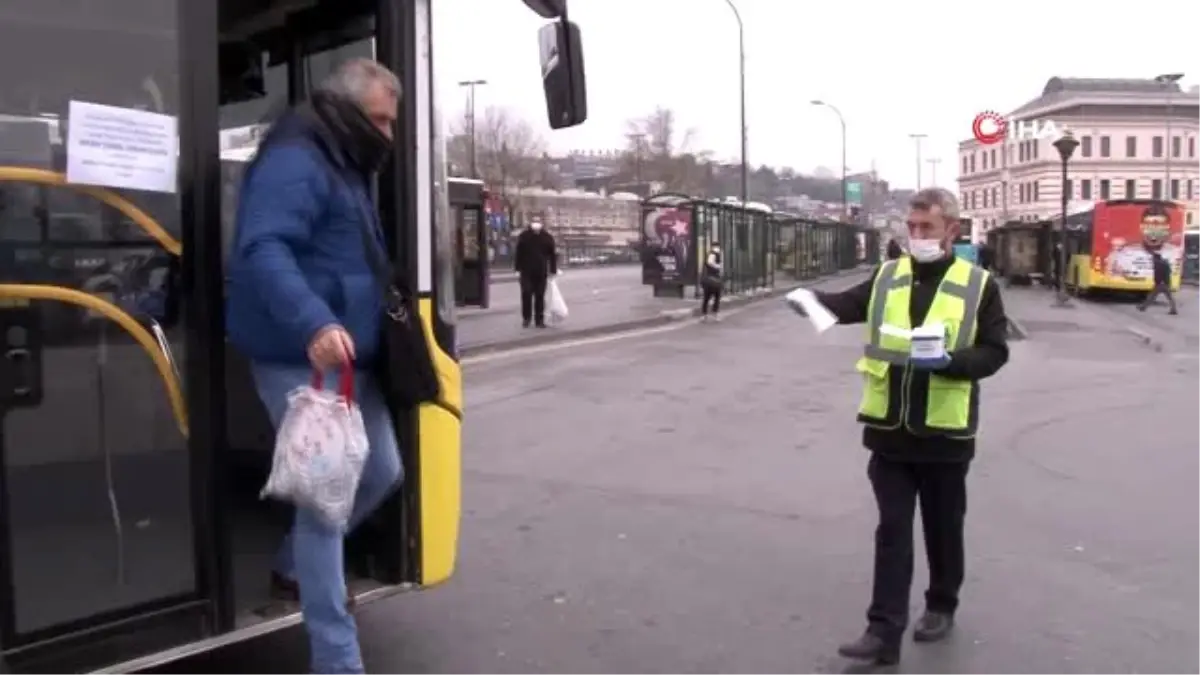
(658,152)
(509,151)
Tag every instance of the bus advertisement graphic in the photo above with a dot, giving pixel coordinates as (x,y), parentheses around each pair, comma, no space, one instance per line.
(1125,235)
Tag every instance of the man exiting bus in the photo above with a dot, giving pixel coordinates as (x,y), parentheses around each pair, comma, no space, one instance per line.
(303,298)
(535,261)
(920,416)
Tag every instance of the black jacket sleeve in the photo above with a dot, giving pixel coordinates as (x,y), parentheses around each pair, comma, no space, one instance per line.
(990,351)
(521,252)
(850,305)
(551,254)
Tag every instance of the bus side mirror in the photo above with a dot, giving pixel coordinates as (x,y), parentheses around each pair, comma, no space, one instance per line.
(561,49)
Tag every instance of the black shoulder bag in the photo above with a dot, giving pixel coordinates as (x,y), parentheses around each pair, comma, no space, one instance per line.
(407,368)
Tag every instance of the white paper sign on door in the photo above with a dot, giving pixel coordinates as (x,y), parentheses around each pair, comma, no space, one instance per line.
(121,147)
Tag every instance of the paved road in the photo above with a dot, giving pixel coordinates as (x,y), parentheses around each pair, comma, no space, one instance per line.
(596,297)
(695,501)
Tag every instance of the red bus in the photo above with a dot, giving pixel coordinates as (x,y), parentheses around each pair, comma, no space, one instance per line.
(1109,245)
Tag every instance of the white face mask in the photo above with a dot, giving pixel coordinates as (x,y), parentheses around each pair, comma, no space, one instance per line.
(536,227)
(925,250)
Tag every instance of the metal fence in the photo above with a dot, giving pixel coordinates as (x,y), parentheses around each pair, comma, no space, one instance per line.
(805,249)
(678,232)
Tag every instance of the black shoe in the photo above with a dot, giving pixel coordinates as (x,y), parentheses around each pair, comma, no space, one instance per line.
(541,324)
(933,626)
(871,647)
(525,323)
(1174,312)
(1141,308)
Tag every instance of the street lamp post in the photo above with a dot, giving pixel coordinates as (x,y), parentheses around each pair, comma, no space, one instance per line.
(933,164)
(471,84)
(845,211)
(1168,81)
(742,87)
(917,140)
(1066,147)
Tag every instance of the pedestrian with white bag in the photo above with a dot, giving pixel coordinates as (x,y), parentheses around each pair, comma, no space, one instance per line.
(305,303)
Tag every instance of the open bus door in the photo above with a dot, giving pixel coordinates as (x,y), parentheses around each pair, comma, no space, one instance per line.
(130,529)
(468,210)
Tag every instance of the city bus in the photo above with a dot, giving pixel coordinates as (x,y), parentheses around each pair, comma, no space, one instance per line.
(1109,245)
(964,245)
(132,443)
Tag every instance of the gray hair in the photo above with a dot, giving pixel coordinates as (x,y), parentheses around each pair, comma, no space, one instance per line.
(944,200)
(353,80)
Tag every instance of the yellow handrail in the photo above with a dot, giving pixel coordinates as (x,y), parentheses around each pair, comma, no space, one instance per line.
(118,316)
(82,299)
(141,218)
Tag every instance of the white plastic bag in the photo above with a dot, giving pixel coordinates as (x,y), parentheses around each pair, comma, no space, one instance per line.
(558,306)
(320,449)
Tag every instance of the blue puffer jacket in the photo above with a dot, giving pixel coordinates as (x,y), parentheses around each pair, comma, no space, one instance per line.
(298,262)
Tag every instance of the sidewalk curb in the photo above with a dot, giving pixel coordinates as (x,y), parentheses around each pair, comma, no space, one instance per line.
(1017,330)
(662,318)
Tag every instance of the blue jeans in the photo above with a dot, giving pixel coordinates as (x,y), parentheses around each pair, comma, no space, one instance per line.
(312,553)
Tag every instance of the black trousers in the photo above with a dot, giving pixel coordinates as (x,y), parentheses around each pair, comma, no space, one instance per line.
(1159,289)
(533,297)
(941,488)
(712,293)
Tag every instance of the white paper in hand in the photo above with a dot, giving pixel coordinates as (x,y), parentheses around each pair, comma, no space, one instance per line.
(820,316)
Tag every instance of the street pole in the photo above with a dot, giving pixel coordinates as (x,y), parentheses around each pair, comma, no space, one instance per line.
(845,205)
(933,164)
(1168,81)
(1066,147)
(917,139)
(637,161)
(742,86)
(471,84)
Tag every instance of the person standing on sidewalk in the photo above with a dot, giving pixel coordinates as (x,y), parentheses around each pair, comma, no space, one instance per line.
(1162,283)
(710,283)
(535,260)
(920,418)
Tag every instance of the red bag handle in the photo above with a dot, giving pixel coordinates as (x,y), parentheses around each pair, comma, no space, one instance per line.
(345,382)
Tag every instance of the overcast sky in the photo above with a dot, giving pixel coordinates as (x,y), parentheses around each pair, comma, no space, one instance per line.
(923,66)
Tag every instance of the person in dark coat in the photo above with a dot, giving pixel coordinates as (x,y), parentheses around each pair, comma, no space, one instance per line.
(535,260)
(920,450)
(986,256)
(1162,283)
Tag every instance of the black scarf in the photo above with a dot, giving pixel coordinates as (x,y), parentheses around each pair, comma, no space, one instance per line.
(348,131)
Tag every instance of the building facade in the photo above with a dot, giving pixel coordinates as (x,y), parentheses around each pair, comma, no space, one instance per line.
(1137,139)
(596,217)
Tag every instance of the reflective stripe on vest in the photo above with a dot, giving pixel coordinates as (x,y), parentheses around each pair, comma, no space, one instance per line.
(890,276)
(948,406)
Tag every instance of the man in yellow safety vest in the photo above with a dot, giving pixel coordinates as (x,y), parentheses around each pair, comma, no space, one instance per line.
(920,411)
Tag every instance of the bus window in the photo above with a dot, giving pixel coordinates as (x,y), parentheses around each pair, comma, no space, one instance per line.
(96,511)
